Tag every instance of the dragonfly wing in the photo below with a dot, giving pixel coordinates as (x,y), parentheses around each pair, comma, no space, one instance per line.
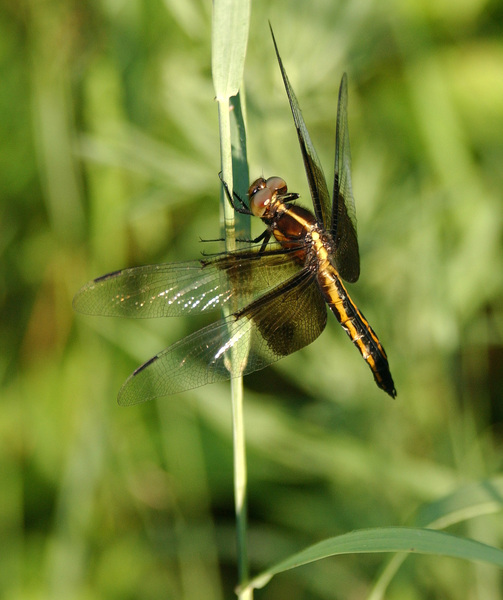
(343,226)
(314,171)
(275,325)
(195,287)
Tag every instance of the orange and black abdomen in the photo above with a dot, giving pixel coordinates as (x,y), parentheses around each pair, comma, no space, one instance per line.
(357,328)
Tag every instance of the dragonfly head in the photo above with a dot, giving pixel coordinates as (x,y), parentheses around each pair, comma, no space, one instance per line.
(264,193)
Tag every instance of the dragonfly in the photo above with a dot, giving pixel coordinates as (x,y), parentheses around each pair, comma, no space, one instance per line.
(275,291)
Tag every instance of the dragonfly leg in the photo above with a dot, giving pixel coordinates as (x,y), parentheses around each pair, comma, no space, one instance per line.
(234,199)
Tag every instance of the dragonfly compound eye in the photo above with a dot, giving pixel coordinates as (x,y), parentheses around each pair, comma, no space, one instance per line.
(260,201)
(277,184)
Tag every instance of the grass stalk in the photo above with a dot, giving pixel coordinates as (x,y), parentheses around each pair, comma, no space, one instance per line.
(230,35)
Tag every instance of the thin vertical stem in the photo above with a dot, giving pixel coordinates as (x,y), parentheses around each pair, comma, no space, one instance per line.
(231,22)
(240,482)
(228,130)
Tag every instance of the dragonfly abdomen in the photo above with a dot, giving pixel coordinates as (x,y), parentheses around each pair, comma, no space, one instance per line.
(357,327)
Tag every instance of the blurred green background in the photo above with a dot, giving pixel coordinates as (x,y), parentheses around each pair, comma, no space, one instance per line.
(109,157)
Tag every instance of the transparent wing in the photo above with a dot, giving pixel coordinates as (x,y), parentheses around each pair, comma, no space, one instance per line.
(194,287)
(286,319)
(314,171)
(343,225)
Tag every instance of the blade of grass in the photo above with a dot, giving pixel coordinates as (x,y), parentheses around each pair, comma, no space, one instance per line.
(390,539)
(230,27)
(468,501)
(231,21)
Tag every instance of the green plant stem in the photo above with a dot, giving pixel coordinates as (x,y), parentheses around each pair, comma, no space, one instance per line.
(240,481)
(231,23)
(239,446)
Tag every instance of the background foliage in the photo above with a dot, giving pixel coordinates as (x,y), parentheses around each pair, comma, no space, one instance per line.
(109,158)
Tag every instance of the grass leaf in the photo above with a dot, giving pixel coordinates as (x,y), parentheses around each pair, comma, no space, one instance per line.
(392,539)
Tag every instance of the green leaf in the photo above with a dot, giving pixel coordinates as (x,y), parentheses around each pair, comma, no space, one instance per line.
(471,500)
(231,22)
(392,539)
